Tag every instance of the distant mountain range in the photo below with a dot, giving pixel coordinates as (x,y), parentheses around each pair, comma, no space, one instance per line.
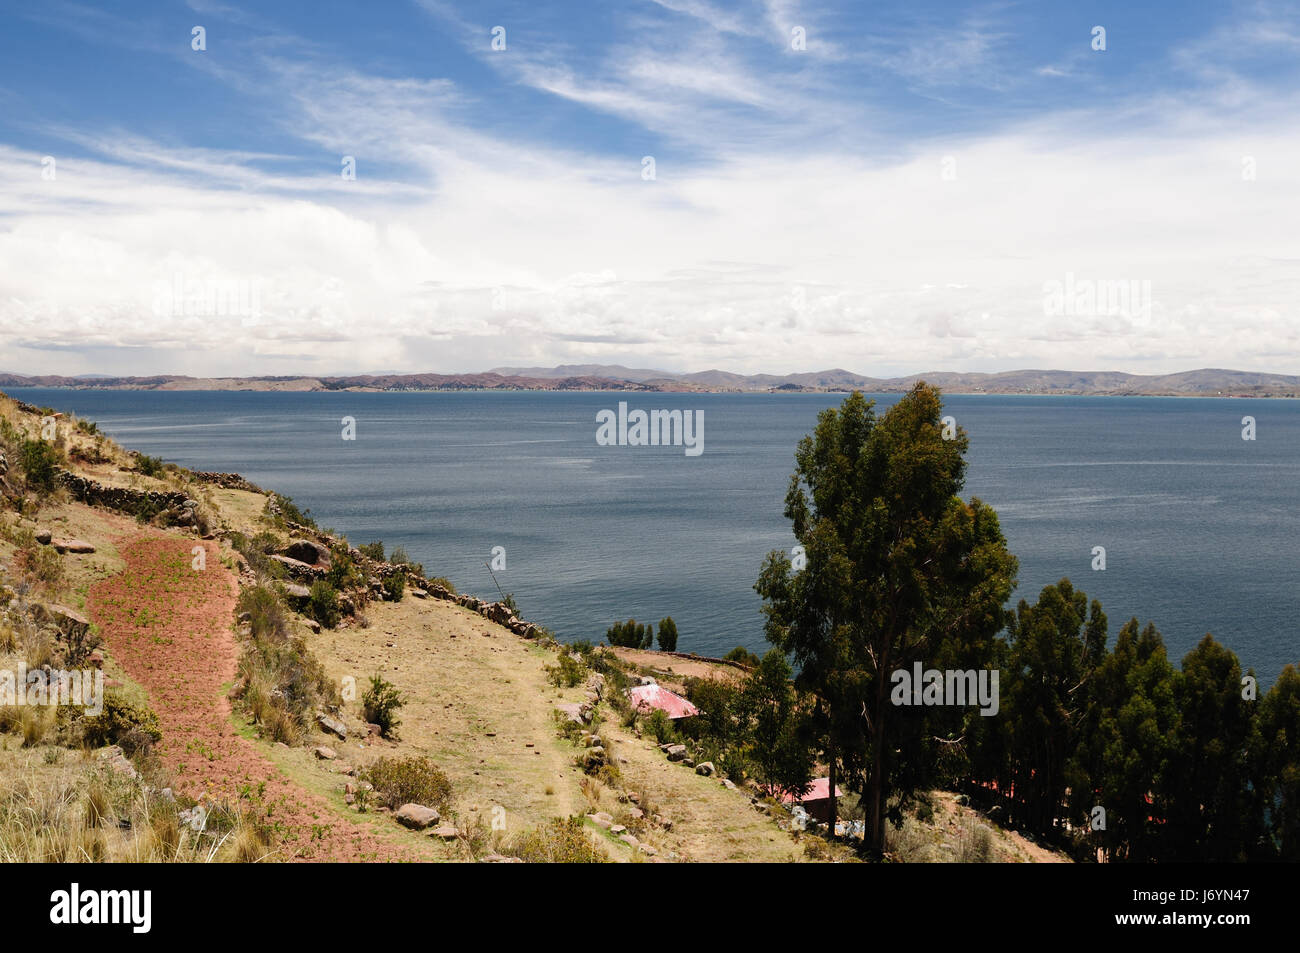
(1207,382)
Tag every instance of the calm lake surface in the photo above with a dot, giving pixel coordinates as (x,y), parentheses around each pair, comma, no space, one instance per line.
(1200,527)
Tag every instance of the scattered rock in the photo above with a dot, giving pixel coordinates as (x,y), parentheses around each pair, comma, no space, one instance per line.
(324,753)
(72,546)
(630,840)
(419,593)
(500,859)
(676,752)
(602,819)
(43,536)
(417,816)
(446,832)
(705,768)
(332,725)
(117,761)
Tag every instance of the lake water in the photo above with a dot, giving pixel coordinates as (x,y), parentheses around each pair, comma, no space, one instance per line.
(1200,527)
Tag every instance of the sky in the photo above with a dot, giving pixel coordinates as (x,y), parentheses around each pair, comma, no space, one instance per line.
(286,188)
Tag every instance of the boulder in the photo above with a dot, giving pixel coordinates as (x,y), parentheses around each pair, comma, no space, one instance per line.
(417,816)
(332,725)
(325,753)
(446,832)
(295,591)
(676,752)
(419,593)
(629,840)
(705,768)
(500,859)
(43,536)
(307,551)
(72,546)
(602,819)
(68,621)
(117,761)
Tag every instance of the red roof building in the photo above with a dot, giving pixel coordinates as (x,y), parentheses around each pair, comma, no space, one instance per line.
(647,697)
(817,800)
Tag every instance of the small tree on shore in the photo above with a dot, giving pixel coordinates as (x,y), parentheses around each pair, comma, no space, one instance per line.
(667,635)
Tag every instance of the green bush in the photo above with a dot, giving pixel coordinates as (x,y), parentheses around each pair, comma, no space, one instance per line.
(743,656)
(414,780)
(149,466)
(38,458)
(132,726)
(344,573)
(659,726)
(398,557)
(562,840)
(285,508)
(380,704)
(395,586)
(267,614)
(567,672)
(324,603)
(373,551)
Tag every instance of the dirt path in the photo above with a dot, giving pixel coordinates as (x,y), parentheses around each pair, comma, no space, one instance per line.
(169,626)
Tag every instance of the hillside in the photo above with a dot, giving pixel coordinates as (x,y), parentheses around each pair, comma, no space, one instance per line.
(237,642)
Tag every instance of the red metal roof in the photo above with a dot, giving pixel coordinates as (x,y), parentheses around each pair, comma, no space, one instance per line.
(655,696)
(819,791)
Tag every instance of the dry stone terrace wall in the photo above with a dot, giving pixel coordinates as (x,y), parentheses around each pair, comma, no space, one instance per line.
(129,500)
(227,481)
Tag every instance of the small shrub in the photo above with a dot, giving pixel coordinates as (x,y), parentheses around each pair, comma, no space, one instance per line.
(659,726)
(743,656)
(373,551)
(409,780)
(38,458)
(133,726)
(562,840)
(395,586)
(567,673)
(324,603)
(149,466)
(380,704)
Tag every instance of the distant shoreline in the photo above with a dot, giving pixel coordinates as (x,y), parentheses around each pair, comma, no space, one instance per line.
(807,392)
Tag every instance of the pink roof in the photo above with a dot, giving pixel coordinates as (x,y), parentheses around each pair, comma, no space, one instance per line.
(819,791)
(655,696)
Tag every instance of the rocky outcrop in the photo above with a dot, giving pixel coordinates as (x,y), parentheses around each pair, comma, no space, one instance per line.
(307,551)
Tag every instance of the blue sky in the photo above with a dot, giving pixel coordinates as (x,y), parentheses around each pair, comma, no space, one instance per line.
(898,195)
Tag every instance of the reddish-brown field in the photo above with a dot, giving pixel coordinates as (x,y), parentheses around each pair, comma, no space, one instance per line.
(170,627)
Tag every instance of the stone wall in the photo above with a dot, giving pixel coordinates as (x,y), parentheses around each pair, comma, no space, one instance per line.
(123,498)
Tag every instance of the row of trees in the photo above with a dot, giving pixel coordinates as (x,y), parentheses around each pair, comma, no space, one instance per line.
(634,635)
(896,569)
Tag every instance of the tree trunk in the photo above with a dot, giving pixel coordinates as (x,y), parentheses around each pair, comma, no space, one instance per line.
(831,830)
(875,832)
